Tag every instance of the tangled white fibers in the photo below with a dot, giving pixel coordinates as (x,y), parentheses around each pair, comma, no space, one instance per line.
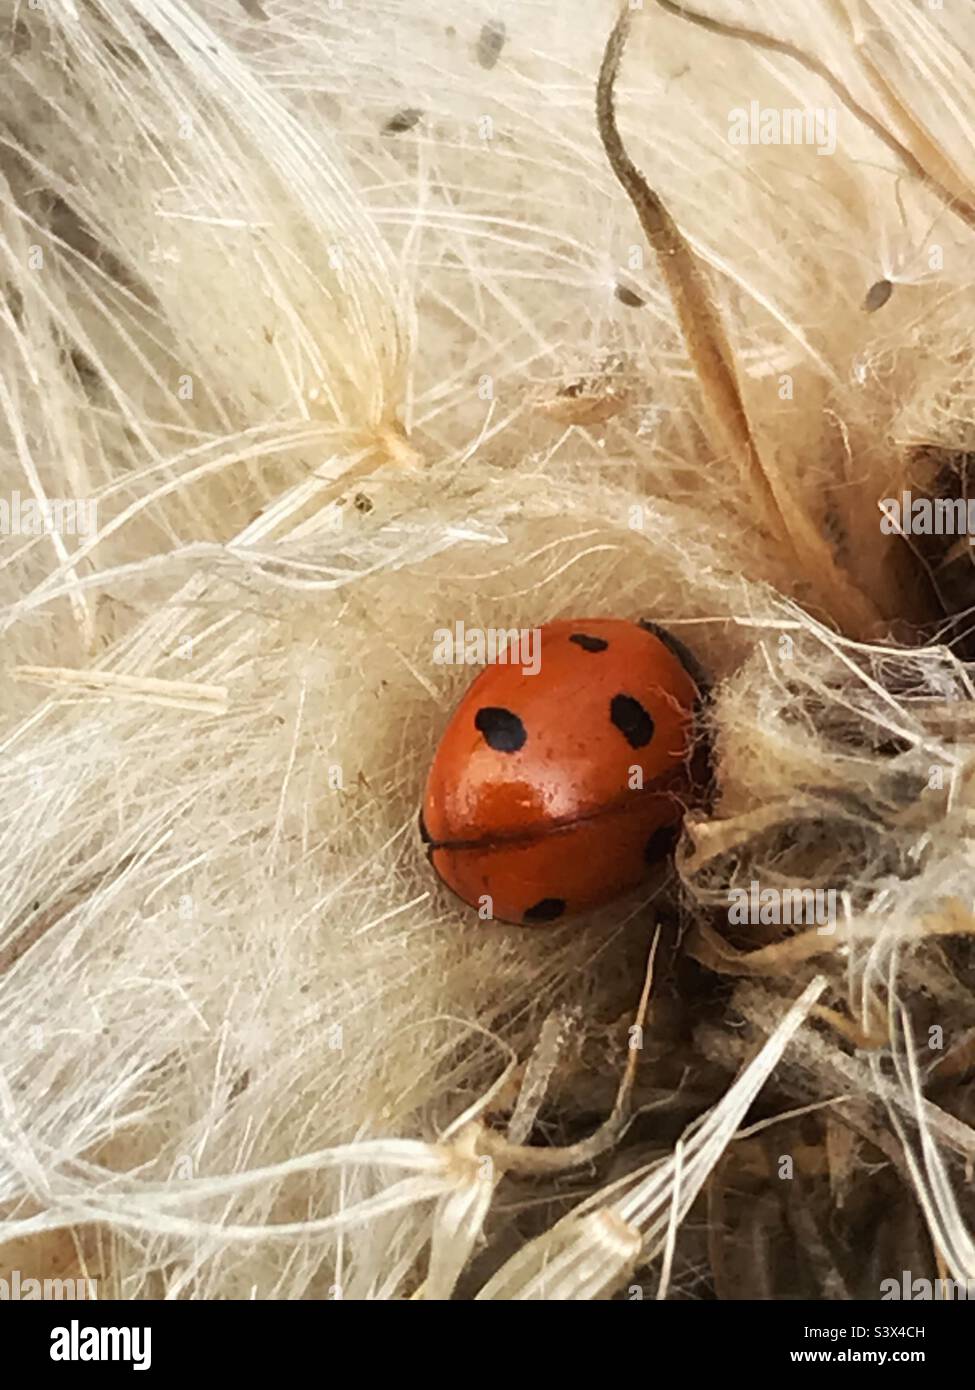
(324,328)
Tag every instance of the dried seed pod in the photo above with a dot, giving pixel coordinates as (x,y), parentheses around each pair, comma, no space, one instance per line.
(403,120)
(490,43)
(877,296)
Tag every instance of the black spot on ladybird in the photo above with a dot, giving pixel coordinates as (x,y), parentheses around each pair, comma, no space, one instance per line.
(502,730)
(403,120)
(660,843)
(545,910)
(587,643)
(632,720)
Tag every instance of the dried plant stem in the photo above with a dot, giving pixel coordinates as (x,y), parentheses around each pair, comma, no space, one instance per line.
(920,169)
(931,164)
(713,362)
(519,1158)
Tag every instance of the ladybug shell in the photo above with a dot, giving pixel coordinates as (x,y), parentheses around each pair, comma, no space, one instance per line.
(554,792)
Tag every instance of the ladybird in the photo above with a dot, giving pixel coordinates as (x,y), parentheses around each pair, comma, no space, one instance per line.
(556,790)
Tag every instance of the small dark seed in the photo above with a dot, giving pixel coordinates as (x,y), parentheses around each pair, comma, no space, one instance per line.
(629,297)
(403,120)
(88,373)
(490,43)
(877,296)
(239,1086)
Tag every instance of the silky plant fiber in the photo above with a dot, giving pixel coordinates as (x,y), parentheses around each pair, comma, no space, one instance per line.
(325,328)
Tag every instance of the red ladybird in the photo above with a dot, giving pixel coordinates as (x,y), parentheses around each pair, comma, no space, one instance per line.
(555,792)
